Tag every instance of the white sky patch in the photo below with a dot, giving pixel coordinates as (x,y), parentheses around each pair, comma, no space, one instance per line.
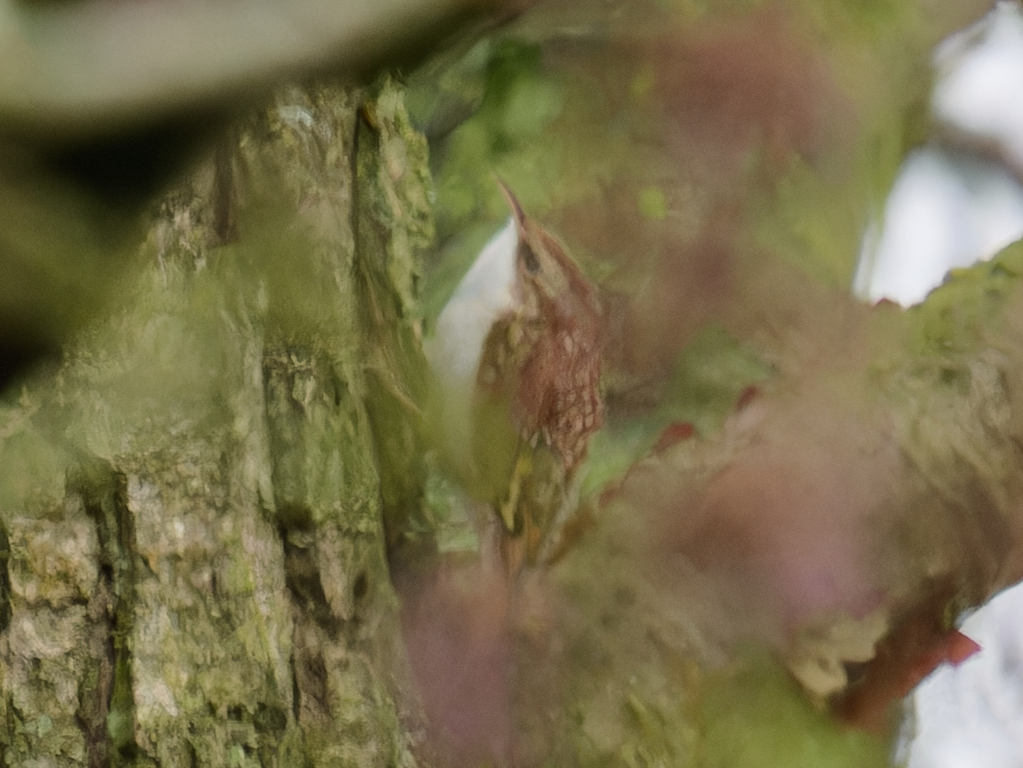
(943,211)
(941,214)
(971,716)
(981,87)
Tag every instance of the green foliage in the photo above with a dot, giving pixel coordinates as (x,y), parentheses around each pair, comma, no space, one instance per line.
(507,99)
(477,109)
(710,374)
(708,377)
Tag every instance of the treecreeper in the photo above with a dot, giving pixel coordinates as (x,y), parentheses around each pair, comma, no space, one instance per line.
(518,352)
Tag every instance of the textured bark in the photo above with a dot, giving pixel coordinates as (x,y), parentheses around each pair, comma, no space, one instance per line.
(194,501)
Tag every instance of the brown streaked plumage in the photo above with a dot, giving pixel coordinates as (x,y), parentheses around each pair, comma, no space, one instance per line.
(543,359)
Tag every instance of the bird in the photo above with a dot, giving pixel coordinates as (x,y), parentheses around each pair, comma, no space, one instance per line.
(517,350)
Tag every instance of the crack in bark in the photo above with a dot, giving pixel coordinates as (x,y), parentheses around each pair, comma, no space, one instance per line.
(5,580)
(107,708)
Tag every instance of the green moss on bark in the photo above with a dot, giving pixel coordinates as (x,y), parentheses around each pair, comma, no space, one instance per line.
(197,561)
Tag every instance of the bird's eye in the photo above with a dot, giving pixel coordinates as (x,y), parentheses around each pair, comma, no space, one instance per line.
(529,259)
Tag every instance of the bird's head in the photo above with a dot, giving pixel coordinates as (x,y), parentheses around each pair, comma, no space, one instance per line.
(544,272)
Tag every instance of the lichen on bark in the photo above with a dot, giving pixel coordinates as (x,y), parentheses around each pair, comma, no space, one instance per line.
(194,498)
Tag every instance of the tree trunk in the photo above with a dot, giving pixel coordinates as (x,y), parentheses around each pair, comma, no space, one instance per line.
(196,500)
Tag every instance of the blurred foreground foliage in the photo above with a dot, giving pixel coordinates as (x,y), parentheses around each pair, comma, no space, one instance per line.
(713,166)
(607,120)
